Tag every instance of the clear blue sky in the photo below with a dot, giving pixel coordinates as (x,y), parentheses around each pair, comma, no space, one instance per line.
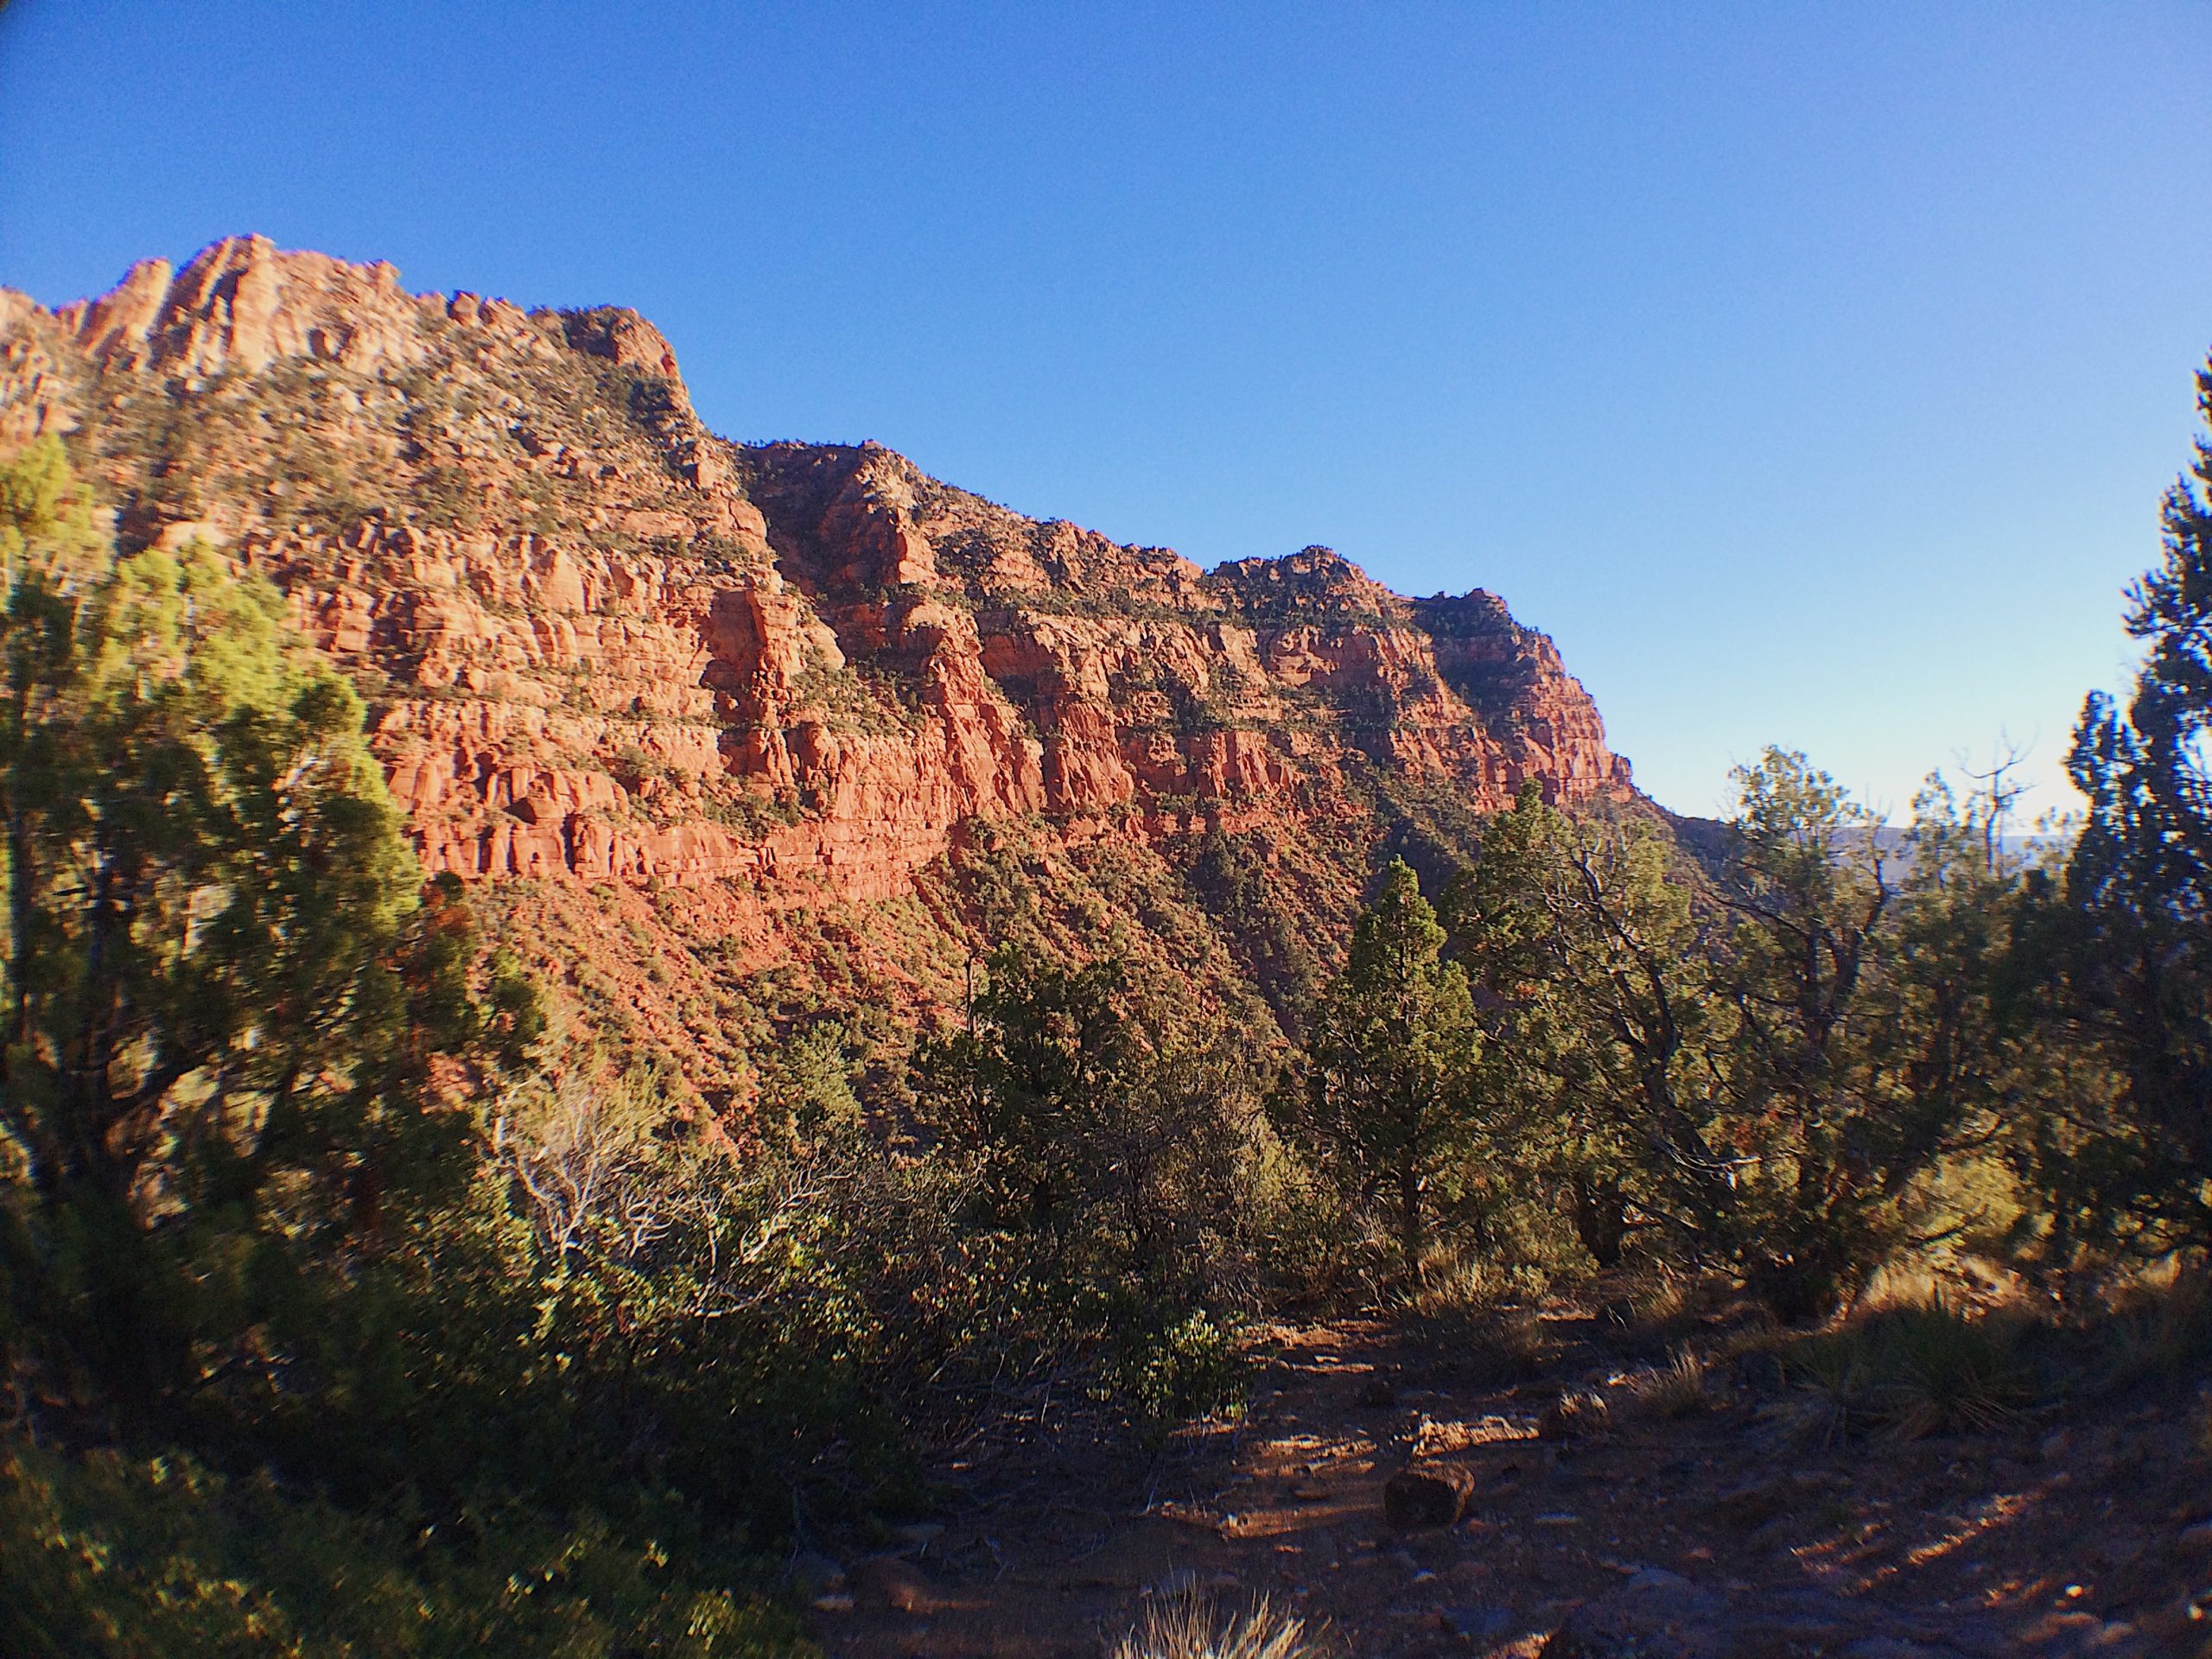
(1810,371)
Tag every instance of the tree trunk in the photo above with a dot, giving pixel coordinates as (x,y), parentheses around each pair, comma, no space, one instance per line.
(1410,1215)
(1600,1217)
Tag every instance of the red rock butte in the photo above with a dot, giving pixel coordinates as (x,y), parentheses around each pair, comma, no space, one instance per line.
(605,649)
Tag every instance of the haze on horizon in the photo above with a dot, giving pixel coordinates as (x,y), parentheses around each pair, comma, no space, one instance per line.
(1811,375)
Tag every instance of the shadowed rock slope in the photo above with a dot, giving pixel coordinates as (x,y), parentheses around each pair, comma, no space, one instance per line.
(731,732)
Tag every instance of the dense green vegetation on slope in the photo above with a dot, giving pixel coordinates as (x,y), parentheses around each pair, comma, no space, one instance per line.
(350,1305)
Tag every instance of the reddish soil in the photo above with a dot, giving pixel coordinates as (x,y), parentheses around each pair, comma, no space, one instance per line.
(1731,1530)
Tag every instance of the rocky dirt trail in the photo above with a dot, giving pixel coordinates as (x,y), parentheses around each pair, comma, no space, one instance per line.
(1727,1531)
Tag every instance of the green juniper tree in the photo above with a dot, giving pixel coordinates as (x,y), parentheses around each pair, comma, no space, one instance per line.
(1758,1068)
(1593,993)
(1864,1055)
(1809,893)
(1108,1119)
(2127,946)
(221,976)
(1394,1045)
(281,1378)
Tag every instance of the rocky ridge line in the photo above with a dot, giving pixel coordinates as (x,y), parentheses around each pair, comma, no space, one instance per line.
(604,645)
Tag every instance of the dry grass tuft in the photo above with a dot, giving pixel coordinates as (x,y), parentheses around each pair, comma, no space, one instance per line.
(1455,1284)
(1664,1302)
(1679,1389)
(1489,1320)
(1583,1414)
(1191,1627)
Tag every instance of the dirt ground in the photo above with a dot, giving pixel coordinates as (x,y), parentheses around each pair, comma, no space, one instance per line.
(1728,1531)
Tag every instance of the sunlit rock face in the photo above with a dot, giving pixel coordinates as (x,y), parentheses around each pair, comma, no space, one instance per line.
(606,649)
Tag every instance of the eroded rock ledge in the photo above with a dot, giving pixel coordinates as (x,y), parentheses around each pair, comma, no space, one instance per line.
(602,645)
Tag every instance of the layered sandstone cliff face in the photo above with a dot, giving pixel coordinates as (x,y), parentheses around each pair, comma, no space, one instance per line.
(706,712)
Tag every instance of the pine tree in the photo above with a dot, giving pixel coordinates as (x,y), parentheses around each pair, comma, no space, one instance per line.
(1592,993)
(222,979)
(1111,1119)
(1395,1046)
(2136,959)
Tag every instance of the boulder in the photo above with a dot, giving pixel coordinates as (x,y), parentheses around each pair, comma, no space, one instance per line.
(1427,1495)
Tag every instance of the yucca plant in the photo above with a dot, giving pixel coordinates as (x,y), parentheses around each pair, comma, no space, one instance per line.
(1833,1374)
(1913,1369)
(1940,1369)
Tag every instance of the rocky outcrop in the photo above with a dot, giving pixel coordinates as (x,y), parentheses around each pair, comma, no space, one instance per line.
(603,645)
(240,305)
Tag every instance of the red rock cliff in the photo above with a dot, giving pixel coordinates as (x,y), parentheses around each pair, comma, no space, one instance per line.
(605,646)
